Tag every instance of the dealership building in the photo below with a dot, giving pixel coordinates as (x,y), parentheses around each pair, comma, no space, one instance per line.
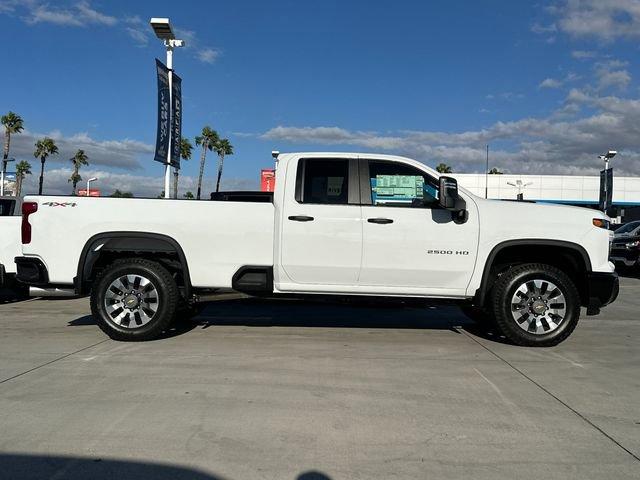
(581,191)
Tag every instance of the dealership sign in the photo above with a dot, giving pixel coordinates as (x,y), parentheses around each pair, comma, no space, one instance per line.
(606,189)
(267,180)
(176,119)
(162,135)
(92,192)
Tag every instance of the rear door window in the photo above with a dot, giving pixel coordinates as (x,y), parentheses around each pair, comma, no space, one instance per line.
(326,181)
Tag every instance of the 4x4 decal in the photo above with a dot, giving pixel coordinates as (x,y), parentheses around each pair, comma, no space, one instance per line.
(60,204)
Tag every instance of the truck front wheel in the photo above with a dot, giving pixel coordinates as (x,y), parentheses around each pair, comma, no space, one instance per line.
(535,305)
(134,299)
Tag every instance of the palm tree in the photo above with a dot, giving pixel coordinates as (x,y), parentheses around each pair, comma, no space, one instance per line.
(185,154)
(44,148)
(444,168)
(12,124)
(79,159)
(22,170)
(222,147)
(208,140)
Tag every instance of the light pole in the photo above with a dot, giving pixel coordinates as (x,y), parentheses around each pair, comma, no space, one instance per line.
(164,32)
(3,173)
(520,186)
(93,179)
(486,176)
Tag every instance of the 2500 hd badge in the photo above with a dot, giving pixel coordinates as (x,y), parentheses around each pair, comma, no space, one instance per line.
(447,252)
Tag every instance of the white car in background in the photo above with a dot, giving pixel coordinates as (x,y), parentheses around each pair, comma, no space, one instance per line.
(10,246)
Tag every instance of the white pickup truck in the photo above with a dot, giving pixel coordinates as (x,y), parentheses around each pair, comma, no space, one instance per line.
(10,246)
(337,224)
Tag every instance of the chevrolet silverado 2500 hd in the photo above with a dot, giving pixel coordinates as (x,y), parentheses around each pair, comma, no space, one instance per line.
(337,224)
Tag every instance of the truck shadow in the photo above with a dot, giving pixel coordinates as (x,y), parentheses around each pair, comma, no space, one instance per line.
(354,313)
(8,295)
(31,466)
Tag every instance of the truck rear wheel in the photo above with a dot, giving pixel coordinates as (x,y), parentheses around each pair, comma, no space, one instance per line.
(535,305)
(134,299)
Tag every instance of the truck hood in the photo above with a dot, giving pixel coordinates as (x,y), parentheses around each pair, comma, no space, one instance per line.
(512,219)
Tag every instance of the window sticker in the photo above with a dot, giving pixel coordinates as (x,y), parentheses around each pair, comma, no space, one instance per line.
(396,188)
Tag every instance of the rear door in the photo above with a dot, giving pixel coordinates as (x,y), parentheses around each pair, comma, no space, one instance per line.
(410,244)
(321,241)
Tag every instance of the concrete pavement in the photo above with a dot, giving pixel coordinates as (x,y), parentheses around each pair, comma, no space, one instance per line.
(296,390)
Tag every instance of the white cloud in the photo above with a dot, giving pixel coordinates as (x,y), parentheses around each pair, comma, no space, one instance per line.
(557,83)
(550,83)
(203,53)
(539,28)
(529,145)
(208,55)
(507,96)
(79,15)
(612,74)
(618,79)
(601,19)
(113,153)
(138,30)
(583,54)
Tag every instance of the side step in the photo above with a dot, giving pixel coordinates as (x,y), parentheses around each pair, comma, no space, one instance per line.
(254,280)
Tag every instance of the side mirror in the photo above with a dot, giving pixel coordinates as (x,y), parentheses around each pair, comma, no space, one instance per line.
(448,193)
(450,200)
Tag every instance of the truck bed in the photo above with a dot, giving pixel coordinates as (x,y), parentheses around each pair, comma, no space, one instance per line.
(217,237)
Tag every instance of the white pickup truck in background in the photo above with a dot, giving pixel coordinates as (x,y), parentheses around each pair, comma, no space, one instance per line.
(337,224)
(10,246)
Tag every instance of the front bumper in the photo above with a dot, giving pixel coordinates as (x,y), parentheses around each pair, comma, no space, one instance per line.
(602,289)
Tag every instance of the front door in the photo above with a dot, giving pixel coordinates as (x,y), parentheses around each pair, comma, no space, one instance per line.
(321,240)
(409,242)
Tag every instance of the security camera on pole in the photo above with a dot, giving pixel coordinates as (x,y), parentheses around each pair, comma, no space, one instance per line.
(169,124)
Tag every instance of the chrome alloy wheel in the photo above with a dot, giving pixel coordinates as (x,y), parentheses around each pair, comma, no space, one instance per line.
(131,301)
(538,306)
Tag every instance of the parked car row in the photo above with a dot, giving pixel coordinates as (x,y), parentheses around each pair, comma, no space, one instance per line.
(625,250)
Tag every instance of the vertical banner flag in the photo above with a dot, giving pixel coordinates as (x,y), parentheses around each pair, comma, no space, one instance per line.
(606,189)
(176,119)
(162,135)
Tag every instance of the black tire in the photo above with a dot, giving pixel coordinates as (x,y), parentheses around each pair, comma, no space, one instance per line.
(501,301)
(166,300)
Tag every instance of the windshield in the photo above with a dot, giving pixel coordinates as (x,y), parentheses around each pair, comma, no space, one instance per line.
(629,227)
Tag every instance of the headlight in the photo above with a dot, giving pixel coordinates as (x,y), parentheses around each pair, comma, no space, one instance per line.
(633,244)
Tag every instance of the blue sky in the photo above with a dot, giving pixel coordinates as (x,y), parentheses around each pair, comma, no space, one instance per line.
(548,85)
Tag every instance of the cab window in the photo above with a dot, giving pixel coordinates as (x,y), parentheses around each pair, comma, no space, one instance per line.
(324,181)
(395,184)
